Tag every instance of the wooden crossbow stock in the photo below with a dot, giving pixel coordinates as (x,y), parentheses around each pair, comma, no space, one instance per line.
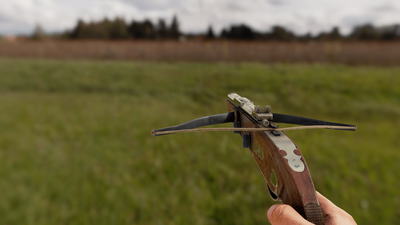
(275,153)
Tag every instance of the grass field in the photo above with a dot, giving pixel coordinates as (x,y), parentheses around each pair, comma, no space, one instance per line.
(75,143)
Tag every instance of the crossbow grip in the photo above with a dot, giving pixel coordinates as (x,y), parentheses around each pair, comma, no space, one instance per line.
(275,153)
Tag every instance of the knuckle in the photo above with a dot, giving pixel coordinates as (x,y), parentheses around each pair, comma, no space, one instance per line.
(279,214)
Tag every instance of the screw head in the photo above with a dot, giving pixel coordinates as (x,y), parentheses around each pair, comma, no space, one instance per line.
(265,122)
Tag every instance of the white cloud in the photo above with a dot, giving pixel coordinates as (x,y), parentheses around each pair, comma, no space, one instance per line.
(196,15)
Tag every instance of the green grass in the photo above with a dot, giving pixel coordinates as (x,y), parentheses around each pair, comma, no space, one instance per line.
(75,143)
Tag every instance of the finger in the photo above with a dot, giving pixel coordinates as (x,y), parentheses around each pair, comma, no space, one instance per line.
(325,203)
(281,214)
(332,213)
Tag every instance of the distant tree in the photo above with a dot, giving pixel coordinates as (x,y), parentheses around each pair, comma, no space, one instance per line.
(365,32)
(305,37)
(106,23)
(104,29)
(322,37)
(135,30)
(142,30)
(162,30)
(174,29)
(90,30)
(38,33)
(224,33)
(391,32)
(149,30)
(335,34)
(210,33)
(79,30)
(239,32)
(117,29)
(99,30)
(281,34)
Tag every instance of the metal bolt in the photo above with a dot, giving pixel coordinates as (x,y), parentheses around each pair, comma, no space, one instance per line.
(265,122)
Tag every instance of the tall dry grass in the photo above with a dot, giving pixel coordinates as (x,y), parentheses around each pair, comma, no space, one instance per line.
(358,53)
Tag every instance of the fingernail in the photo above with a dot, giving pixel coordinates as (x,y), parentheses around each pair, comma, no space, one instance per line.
(270,210)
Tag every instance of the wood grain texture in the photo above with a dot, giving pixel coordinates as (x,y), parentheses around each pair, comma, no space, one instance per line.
(293,188)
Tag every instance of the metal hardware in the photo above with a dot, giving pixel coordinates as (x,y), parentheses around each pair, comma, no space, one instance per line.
(242,102)
(246,140)
(259,113)
(287,145)
(273,125)
(262,113)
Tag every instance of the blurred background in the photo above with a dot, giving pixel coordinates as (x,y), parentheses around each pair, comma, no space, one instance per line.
(82,84)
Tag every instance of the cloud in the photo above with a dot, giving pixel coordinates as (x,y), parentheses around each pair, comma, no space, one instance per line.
(385,8)
(4,19)
(277,2)
(155,4)
(10,26)
(196,15)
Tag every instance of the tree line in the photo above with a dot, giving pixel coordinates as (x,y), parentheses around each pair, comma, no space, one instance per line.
(365,32)
(119,29)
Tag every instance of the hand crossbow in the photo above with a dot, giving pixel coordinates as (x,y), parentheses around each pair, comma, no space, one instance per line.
(274,152)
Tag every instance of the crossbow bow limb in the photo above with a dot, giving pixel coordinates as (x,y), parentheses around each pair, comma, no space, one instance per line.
(279,159)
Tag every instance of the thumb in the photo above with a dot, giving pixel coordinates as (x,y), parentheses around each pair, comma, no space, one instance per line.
(281,214)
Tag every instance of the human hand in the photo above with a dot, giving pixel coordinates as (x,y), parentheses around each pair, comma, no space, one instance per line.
(282,214)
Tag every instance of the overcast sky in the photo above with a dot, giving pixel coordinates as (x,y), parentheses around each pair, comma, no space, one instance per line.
(300,16)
